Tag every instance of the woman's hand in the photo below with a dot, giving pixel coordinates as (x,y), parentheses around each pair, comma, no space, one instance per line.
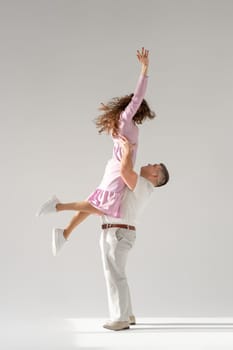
(143,57)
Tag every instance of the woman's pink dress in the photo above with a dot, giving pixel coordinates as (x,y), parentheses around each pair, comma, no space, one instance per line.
(107,197)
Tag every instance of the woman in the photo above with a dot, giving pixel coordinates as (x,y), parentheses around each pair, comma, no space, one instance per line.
(120,118)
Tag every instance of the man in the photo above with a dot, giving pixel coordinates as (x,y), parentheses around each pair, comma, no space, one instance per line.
(118,235)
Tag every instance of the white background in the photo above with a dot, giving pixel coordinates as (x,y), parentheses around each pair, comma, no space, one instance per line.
(59,60)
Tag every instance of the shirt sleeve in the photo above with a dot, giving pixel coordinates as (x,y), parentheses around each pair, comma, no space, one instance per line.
(136,100)
(135,190)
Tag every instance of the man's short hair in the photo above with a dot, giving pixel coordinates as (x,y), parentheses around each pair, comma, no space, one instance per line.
(165,175)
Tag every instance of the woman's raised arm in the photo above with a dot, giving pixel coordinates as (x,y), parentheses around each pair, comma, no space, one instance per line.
(140,89)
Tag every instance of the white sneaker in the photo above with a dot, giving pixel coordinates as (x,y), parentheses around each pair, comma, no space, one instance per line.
(58,240)
(48,207)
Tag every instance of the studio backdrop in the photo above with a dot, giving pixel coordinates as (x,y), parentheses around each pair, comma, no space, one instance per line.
(59,61)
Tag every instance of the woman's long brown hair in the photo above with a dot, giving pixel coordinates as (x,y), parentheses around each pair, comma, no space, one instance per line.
(109,120)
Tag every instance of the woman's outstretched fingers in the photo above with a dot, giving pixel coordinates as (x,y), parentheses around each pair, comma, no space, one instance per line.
(139,55)
(143,54)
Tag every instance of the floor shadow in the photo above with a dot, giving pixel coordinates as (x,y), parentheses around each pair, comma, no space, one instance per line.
(155,329)
(185,324)
(182,327)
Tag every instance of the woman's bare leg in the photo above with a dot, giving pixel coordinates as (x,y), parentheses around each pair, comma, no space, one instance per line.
(77,219)
(79,206)
(84,210)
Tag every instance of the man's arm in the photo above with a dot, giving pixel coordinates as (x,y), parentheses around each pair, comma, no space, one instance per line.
(128,175)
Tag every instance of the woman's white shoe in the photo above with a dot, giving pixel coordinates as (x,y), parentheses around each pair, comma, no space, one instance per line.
(48,207)
(58,240)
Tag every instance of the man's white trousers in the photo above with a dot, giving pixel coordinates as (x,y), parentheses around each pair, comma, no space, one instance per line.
(115,245)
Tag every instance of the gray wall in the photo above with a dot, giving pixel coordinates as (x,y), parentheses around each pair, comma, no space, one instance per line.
(59,60)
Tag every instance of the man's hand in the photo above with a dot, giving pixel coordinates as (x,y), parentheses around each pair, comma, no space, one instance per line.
(126,146)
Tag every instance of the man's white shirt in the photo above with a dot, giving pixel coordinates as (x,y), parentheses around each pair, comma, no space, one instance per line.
(133,203)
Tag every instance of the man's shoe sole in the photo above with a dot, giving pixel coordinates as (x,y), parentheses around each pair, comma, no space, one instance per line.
(121,329)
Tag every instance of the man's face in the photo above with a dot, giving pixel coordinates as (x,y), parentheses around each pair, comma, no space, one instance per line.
(151,170)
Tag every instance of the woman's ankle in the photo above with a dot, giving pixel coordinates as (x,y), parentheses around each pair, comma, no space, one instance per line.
(58,206)
(66,234)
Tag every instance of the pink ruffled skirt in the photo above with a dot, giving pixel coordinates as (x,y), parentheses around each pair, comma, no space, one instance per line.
(107,201)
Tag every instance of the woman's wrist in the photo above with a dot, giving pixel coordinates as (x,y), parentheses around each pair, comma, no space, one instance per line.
(144,70)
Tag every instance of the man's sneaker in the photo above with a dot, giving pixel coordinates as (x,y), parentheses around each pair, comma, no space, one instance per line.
(117,325)
(132,320)
(49,206)
(58,240)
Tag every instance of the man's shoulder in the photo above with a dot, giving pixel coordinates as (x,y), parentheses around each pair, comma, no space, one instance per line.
(135,200)
(142,185)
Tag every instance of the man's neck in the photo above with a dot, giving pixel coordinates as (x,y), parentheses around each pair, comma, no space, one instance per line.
(149,180)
